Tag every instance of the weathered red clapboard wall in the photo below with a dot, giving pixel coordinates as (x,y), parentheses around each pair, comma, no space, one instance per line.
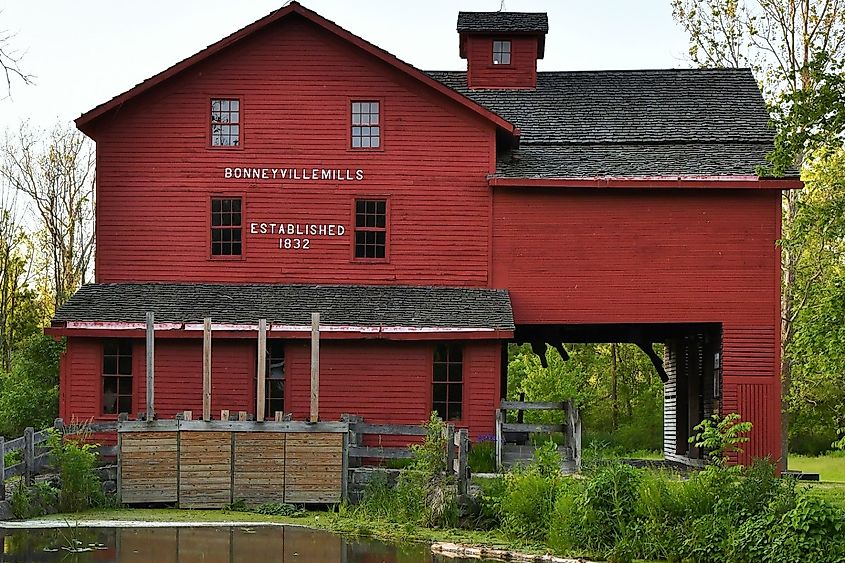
(655,256)
(482,73)
(383,382)
(156,172)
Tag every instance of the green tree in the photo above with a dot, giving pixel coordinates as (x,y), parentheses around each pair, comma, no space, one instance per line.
(29,392)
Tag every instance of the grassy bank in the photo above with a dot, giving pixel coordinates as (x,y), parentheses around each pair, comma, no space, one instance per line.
(830,467)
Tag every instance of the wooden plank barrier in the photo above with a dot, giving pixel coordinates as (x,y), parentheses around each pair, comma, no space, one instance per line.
(259,467)
(205,469)
(148,467)
(313,467)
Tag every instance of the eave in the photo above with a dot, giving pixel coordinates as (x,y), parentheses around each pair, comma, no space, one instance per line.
(697,182)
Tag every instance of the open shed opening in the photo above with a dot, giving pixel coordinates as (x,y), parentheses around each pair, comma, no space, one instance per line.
(686,357)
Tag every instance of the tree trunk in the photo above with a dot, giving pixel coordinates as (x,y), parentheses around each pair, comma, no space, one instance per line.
(614,396)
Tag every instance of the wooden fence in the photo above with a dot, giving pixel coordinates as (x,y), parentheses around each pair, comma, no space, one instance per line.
(35,457)
(513,444)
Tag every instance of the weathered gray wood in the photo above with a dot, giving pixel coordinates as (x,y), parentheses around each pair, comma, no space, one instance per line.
(344,479)
(29,454)
(451,453)
(156,426)
(14,445)
(93,427)
(262,370)
(119,470)
(573,432)
(15,470)
(528,427)
(108,450)
(389,429)
(206,369)
(380,453)
(528,406)
(463,467)
(315,367)
(500,418)
(232,426)
(150,366)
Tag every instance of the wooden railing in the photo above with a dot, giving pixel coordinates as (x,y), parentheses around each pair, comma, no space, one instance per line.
(457,446)
(35,457)
(570,426)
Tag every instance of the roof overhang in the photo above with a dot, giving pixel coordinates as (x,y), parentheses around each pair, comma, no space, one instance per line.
(99,329)
(86,121)
(701,182)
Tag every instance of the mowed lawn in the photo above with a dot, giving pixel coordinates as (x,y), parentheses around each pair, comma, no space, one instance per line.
(829,467)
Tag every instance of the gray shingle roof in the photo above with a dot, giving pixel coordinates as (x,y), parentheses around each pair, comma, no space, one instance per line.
(577,124)
(357,305)
(498,22)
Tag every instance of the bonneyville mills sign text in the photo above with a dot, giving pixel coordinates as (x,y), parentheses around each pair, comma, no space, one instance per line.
(294,174)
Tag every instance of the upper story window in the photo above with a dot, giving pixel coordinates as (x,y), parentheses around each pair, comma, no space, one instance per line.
(501,52)
(225,122)
(370,228)
(448,382)
(117,376)
(274,382)
(226,229)
(366,125)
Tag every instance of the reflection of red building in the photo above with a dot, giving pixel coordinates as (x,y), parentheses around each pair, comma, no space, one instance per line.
(430,217)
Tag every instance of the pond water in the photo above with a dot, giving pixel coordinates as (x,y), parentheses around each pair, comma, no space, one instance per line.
(207,545)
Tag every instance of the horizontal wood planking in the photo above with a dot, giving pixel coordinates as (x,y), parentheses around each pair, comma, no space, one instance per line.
(295,83)
(313,467)
(205,472)
(259,467)
(148,467)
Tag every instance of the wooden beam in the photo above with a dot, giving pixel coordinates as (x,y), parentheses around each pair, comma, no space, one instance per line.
(206,369)
(262,370)
(315,367)
(150,366)
(29,455)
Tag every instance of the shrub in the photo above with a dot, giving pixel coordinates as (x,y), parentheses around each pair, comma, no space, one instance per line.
(75,460)
(527,503)
(721,436)
(279,509)
(811,531)
(31,502)
(608,505)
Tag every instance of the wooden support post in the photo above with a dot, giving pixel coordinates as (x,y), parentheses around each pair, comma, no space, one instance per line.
(315,367)
(29,454)
(2,469)
(500,439)
(241,416)
(150,366)
(187,415)
(206,369)
(450,449)
(463,457)
(224,415)
(262,370)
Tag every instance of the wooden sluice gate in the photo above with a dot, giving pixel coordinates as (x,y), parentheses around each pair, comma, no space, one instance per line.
(199,464)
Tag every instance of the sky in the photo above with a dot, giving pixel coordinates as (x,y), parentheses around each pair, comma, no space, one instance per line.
(84,52)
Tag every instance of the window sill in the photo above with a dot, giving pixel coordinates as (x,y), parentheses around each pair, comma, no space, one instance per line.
(226,258)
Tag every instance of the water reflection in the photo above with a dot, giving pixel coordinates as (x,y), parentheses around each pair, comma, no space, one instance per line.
(208,545)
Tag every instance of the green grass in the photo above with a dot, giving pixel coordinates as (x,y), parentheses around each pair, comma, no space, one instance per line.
(830,467)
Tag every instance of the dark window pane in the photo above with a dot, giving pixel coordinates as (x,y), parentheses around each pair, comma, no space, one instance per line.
(124,404)
(456,354)
(439,393)
(125,365)
(455,392)
(236,249)
(110,385)
(379,252)
(454,411)
(110,365)
(440,353)
(439,371)
(124,385)
(440,409)
(110,347)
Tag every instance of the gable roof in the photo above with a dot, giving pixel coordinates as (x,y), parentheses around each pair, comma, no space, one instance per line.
(690,122)
(85,121)
(407,307)
(503,22)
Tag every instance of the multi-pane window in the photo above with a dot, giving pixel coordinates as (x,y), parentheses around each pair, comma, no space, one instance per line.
(366,125)
(226,229)
(117,376)
(370,228)
(274,384)
(501,52)
(448,381)
(225,123)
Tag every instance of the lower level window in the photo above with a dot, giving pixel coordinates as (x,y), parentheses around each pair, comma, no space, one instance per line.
(117,376)
(448,381)
(274,384)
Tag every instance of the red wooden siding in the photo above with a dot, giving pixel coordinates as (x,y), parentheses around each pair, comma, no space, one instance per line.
(482,73)
(295,82)
(383,382)
(390,382)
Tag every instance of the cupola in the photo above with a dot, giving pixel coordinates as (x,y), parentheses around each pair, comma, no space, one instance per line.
(502,48)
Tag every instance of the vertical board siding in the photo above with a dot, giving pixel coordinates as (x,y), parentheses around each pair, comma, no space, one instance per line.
(670,399)
(295,82)
(482,73)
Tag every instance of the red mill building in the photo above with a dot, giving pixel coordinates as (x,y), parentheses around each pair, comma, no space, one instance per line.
(430,218)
